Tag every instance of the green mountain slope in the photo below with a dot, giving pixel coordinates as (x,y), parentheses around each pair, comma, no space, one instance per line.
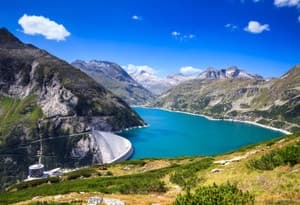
(41,95)
(275,102)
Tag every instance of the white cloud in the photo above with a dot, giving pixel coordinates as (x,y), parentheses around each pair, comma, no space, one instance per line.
(39,25)
(189,70)
(181,37)
(175,33)
(231,27)
(256,27)
(191,36)
(136,18)
(130,68)
(289,3)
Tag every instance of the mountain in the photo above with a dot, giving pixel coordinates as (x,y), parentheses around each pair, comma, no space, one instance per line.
(160,85)
(115,79)
(155,84)
(43,97)
(149,80)
(229,73)
(178,78)
(274,102)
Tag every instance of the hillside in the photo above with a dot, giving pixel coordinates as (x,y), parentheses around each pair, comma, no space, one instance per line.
(115,79)
(42,96)
(266,173)
(275,102)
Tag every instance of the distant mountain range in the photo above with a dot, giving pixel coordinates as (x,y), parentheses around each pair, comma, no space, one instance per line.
(140,86)
(155,84)
(235,94)
(116,79)
(160,85)
(41,95)
(229,73)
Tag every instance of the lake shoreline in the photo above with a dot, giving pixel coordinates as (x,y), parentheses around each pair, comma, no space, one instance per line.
(215,119)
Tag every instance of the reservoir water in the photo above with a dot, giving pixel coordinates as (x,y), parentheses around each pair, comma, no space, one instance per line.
(173,134)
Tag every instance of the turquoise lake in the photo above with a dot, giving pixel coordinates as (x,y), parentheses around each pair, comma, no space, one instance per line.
(173,134)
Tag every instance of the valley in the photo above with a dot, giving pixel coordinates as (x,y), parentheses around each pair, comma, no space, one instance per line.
(89,116)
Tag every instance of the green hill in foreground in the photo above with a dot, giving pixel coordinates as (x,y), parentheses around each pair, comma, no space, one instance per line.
(265,173)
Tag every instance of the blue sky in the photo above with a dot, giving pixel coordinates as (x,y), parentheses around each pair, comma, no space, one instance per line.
(165,35)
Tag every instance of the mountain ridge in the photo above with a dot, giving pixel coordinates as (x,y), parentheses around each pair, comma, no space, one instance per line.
(115,79)
(232,72)
(274,102)
(159,85)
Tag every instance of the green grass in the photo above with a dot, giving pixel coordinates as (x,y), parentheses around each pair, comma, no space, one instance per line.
(142,183)
(216,195)
(16,112)
(289,155)
(33,183)
(262,99)
(52,203)
(139,183)
(84,173)
(186,177)
(154,181)
(136,162)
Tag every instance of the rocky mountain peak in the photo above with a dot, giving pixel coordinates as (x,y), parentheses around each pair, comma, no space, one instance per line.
(110,69)
(232,68)
(8,40)
(115,79)
(233,71)
(229,73)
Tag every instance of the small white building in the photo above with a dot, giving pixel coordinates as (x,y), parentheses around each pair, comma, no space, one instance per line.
(36,171)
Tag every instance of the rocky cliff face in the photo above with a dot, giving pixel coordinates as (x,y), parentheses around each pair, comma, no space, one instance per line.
(275,102)
(37,88)
(117,80)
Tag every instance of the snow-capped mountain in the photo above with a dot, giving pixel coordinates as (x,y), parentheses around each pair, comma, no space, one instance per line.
(178,78)
(229,73)
(147,77)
